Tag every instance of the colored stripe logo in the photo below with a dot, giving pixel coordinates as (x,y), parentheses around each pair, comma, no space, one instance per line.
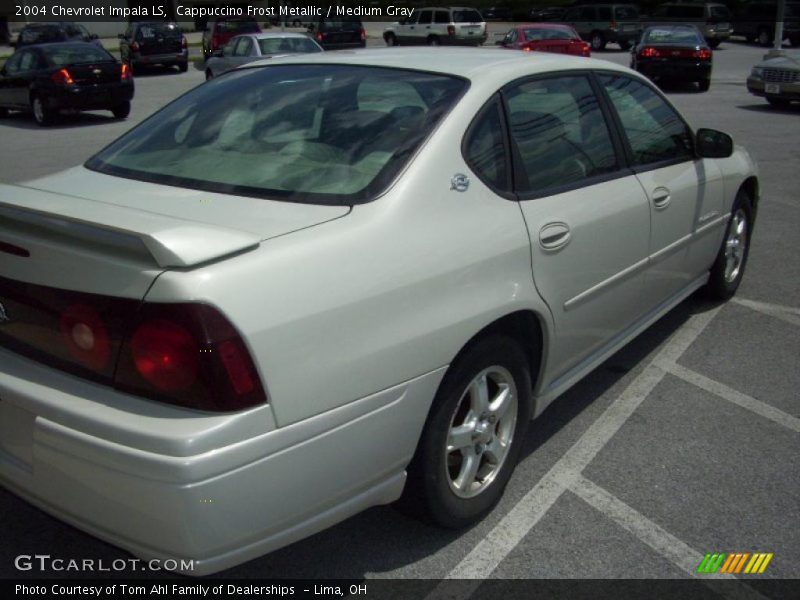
(734,563)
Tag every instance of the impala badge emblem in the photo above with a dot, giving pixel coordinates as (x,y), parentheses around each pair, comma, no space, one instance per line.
(4,318)
(97,71)
(459,182)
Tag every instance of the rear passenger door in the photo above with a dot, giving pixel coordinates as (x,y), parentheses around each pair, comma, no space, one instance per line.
(423,28)
(587,216)
(685,193)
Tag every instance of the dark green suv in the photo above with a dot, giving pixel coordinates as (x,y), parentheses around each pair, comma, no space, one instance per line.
(600,24)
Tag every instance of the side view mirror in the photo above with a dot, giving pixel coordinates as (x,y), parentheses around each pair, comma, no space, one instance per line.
(711,143)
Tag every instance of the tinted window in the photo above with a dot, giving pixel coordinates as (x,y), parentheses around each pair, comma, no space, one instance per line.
(76,54)
(425,17)
(12,65)
(287,45)
(243,47)
(485,150)
(604,13)
(535,34)
(28,62)
(467,16)
(238,26)
(152,31)
(666,35)
(304,133)
(626,13)
(441,16)
(653,128)
(559,131)
(720,12)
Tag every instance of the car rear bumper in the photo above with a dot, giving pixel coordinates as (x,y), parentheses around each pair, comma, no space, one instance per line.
(683,71)
(343,45)
(213,489)
(97,97)
(169,58)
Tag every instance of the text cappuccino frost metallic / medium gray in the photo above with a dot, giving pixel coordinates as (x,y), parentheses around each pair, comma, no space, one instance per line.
(314,285)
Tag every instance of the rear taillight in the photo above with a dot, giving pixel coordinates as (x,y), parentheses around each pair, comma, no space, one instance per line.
(135,46)
(189,355)
(124,72)
(527,48)
(319,35)
(703,54)
(62,77)
(451,30)
(362,33)
(215,42)
(184,43)
(586,49)
(648,52)
(614,26)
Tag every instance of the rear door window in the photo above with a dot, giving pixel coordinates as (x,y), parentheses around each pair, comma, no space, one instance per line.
(559,132)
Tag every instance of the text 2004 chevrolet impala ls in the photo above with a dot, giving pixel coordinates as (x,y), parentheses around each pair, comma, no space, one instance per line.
(314,285)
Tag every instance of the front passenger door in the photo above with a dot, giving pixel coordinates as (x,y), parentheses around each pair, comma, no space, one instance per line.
(685,194)
(587,217)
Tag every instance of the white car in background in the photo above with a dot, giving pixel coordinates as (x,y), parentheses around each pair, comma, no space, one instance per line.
(247,48)
(327,282)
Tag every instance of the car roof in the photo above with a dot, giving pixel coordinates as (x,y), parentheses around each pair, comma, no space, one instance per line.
(54,45)
(545,25)
(276,34)
(489,65)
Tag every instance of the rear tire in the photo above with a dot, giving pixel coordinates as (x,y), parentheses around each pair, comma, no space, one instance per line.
(209,75)
(472,438)
(704,84)
(597,41)
(764,37)
(434,41)
(728,268)
(713,44)
(41,113)
(3,113)
(183,67)
(122,110)
(390,39)
(626,45)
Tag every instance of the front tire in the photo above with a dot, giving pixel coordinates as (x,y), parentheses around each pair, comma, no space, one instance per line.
(472,438)
(41,113)
(390,39)
(728,268)
(434,41)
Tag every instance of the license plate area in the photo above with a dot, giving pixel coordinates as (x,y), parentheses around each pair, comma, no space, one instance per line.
(772,88)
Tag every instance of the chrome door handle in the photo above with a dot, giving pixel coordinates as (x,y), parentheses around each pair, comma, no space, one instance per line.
(661,197)
(553,236)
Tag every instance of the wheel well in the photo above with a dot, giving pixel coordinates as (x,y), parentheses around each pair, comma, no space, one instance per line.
(524,327)
(750,185)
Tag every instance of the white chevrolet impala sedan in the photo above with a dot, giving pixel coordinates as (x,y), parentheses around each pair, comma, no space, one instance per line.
(315,285)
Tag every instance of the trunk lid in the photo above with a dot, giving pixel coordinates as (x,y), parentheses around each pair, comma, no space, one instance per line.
(93,73)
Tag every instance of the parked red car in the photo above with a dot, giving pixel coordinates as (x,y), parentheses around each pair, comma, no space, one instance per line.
(219,32)
(546,37)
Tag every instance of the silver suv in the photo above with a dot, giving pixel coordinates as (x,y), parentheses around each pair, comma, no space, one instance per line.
(453,26)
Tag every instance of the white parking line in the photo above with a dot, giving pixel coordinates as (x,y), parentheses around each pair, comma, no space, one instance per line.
(731,395)
(785,313)
(660,540)
(514,526)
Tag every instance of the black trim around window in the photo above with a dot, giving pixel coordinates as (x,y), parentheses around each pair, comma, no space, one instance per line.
(494,103)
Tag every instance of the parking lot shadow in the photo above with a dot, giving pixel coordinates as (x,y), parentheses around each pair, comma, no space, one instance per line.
(22,120)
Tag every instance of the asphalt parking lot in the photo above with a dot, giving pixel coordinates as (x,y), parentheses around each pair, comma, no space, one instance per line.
(686,442)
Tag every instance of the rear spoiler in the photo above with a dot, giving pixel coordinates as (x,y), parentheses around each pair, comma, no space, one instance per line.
(170,241)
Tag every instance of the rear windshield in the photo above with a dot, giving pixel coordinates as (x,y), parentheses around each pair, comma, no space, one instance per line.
(720,12)
(665,35)
(75,54)
(151,31)
(467,16)
(346,23)
(287,45)
(243,26)
(535,34)
(626,13)
(51,33)
(321,134)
